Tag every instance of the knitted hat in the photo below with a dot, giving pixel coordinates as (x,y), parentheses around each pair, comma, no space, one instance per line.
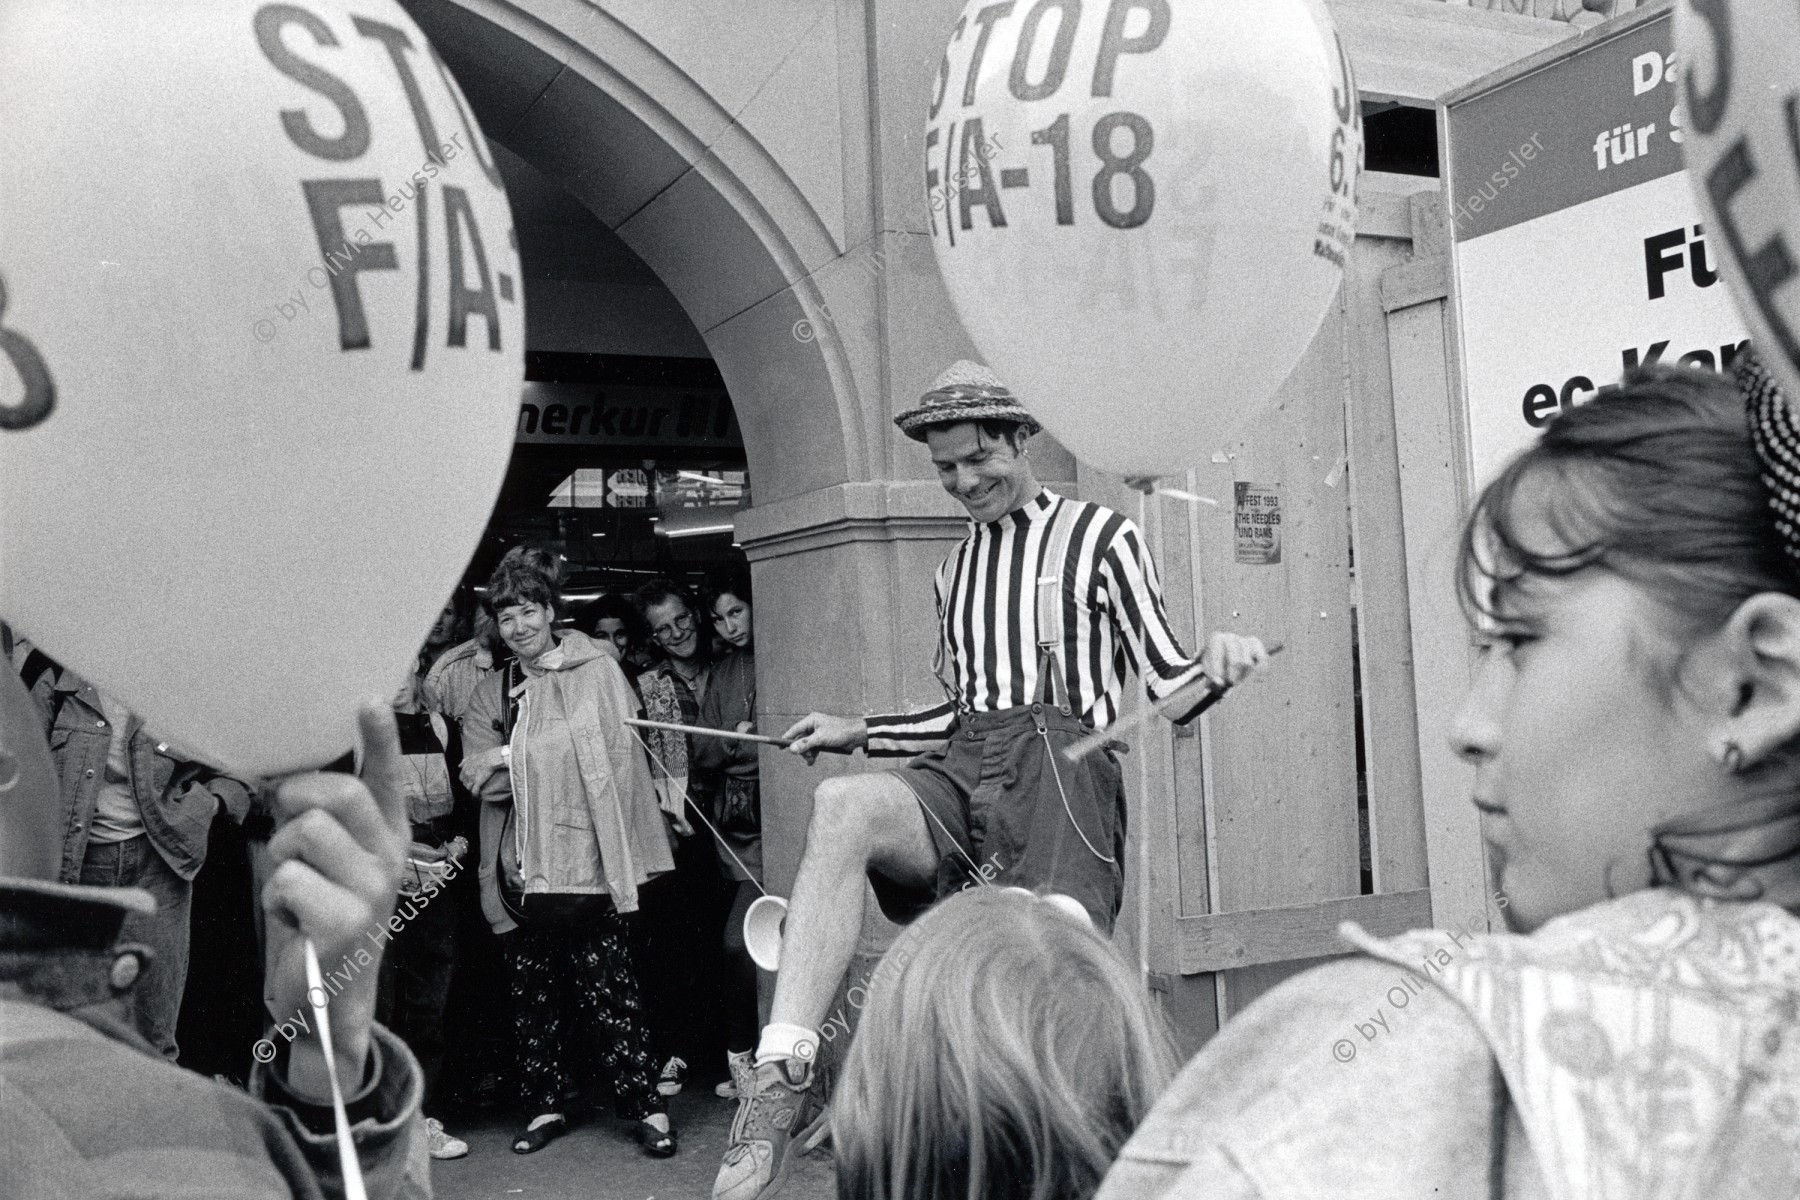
(1776,433)
(966,391)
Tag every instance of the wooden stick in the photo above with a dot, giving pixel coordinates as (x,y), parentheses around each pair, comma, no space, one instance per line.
(728,734)
(733,735)
(1205,686)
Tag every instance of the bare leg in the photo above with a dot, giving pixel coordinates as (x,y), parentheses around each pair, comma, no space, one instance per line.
(858,822)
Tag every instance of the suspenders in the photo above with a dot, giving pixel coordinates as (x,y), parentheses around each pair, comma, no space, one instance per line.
(1051,674)
(1052,677)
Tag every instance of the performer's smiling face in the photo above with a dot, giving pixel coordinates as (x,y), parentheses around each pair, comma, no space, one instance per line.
(988,472)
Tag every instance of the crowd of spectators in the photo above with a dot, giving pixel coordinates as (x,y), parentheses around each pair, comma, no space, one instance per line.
(570,934)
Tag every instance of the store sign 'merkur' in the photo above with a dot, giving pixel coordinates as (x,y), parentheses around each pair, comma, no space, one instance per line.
(563,414)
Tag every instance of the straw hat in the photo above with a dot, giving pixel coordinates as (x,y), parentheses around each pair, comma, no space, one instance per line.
(966,391)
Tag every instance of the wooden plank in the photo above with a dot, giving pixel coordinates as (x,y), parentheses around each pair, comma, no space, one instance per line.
(1156,812)
(1179,552)
(1384,624)
(1158,829)
(1224,941)
(1432,472)
(1429,224)
(1192,1002)
(1383,207)
(1414,51)
(1416,282)
(1283,748)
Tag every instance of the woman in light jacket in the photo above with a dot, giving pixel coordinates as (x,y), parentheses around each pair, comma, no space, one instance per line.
(570,828)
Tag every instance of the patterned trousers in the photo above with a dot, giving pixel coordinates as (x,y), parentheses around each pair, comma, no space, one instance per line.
(576,1009)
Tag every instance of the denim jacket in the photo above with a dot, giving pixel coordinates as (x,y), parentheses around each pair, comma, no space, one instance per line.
(176,797)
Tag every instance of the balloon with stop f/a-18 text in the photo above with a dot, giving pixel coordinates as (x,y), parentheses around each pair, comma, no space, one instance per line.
(1142,209)
(261,345)
(1740,91)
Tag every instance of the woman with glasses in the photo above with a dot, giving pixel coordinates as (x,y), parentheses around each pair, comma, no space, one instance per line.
(672,688)
(678,945)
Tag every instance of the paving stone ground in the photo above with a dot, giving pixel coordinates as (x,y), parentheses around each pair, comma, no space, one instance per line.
(598,1160)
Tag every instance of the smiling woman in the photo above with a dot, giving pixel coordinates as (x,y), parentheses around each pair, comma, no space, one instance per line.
(569,833)
(1635,729)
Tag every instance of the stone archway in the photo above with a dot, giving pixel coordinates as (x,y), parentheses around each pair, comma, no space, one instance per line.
(740,156)
(593,104)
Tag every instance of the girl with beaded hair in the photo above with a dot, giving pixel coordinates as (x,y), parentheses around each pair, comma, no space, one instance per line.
(1005,1050)
(1634,727)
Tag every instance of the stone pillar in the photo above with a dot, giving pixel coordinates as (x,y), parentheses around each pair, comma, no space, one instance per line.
(844,603)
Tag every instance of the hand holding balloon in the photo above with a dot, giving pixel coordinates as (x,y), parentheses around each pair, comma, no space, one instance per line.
(338,850)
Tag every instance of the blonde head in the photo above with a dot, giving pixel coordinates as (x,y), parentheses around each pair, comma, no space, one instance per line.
(1005,1050)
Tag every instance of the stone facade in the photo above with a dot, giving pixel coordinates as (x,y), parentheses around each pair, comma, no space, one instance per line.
(764,160)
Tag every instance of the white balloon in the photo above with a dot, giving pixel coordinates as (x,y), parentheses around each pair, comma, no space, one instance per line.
(1142,210)
(262,350)
(1740,118)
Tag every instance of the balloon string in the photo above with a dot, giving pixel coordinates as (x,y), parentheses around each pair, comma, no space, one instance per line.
(348,1166)
(688,804)
(979,877)
(1143,888)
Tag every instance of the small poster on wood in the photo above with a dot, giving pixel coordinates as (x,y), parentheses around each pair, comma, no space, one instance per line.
(1258,524)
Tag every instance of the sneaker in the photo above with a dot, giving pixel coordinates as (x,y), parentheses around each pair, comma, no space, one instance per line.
(741,1066)
(674,1074)
(441,1144)
(770,1111)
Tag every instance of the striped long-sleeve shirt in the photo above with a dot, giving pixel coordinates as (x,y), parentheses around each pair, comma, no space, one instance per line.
(1113,622)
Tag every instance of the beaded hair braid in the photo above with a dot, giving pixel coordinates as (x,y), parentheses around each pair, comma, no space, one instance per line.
(1747,849)
(1776,435)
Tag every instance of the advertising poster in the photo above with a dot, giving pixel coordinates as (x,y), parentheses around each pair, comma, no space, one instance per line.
(1577,248)
(1256,522)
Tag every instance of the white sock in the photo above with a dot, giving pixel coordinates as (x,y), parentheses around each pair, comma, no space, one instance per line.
(542,1120)
(660,1121)
(787,1041)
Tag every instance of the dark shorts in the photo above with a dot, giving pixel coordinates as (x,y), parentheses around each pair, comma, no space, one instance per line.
(995,813)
